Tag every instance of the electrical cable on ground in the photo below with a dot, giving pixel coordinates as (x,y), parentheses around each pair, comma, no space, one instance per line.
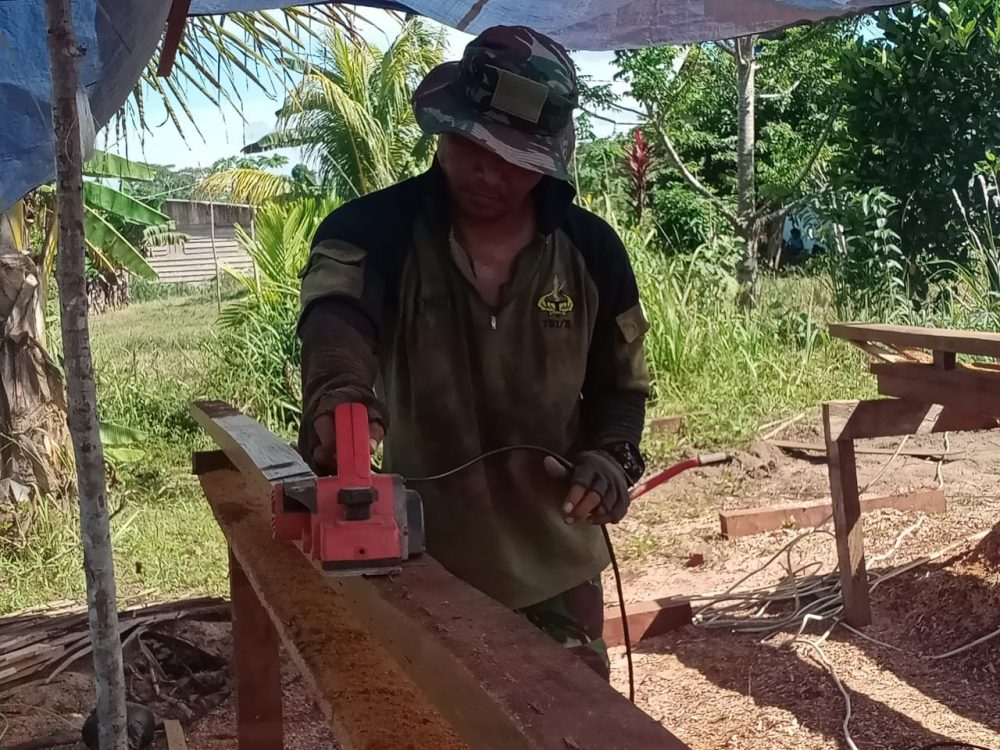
(886,465)
(746,608)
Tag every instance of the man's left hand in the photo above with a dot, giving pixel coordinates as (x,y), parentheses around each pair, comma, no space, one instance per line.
(599,488)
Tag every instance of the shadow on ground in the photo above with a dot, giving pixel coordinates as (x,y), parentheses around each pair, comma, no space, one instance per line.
(931,611)
(782,679)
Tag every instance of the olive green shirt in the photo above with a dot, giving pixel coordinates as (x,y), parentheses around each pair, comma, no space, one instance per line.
(558,363)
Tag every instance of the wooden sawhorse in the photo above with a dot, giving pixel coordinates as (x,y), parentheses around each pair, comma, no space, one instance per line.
(927,391)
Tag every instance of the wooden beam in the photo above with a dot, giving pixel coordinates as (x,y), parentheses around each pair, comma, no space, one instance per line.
(176,22)
(892,417)
(935,339)
(496,680)
(750,521)
(362,692)
(851,420)
(175,735)
(975,389)
(260,456)
(847,524)
(646,620)
(257,665)
(202,462)
(665,426)
(945,360)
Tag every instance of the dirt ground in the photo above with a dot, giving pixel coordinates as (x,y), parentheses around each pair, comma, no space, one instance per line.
(714,689)
(717,689)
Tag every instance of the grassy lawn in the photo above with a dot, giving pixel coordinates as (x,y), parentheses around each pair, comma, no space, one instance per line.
(726,371)
(150,364)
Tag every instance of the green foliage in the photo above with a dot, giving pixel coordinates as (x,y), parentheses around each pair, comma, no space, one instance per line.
(686,219)
(691,93)
(869,275)
(219,55)
(350,111)
(119,226)
(257,348)
(978,293)
(921,110)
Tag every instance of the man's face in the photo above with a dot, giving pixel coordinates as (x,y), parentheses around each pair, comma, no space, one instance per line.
(482,184)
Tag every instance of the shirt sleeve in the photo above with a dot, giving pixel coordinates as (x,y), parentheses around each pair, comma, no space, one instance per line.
(617,383)
(346,284)
(344,268)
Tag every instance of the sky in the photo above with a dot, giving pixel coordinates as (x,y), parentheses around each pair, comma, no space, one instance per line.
(225,132)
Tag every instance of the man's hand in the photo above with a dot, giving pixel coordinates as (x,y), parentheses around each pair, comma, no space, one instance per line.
(325,454)
(599,488)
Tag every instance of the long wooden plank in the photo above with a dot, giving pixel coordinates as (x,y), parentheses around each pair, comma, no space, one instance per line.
(750,521)
(364,695)
(907,414)
(497,680)
(935,339)
(261,457)
(847,525)
(646,620)
(175,735)
(974,389)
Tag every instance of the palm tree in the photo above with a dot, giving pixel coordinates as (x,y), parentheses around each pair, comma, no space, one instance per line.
(350,114)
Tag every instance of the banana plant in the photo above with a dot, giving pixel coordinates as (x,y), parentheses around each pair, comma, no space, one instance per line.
(118,226)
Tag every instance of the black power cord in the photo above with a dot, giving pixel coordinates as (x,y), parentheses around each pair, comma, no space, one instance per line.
(565,463)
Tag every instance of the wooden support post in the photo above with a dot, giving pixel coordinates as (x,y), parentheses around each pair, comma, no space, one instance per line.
(82,414)
(172,39)
(257,665)
(847,523)
(215,258)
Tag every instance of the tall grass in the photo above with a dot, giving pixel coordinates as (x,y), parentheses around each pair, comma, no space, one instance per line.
(730,370)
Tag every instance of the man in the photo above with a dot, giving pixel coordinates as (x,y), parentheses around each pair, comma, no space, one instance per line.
(488,311)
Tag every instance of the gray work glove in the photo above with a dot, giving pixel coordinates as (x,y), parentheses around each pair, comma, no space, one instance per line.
(599,488)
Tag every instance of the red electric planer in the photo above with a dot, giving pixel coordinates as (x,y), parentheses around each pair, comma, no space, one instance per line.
(355,522)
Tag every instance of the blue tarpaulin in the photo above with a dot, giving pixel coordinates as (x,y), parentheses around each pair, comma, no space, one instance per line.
(120,36)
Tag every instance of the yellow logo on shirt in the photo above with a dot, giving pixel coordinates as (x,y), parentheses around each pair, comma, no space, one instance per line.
(556,302)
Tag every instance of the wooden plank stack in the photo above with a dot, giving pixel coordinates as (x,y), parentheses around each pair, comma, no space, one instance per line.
(41,644)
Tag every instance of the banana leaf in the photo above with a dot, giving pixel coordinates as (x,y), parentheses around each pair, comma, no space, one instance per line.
(14,218)
(117,203)
(109,242)
(116,434)
(110,165)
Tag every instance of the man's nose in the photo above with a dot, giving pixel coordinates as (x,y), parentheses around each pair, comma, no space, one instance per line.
(484,172)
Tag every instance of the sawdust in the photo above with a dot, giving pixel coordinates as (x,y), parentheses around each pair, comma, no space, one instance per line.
(717,690)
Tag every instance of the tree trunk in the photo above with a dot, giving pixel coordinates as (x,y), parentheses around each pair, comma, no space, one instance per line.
(746,72)
(33,440)
(774,233)
(84,425)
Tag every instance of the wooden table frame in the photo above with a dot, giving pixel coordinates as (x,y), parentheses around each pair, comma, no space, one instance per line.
(929,391)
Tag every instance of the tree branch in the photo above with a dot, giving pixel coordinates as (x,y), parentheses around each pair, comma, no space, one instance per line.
(824,137)
(693,181)
(604,118)
(781,94)
(727,45)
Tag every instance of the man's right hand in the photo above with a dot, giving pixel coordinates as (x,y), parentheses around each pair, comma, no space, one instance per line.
(324,456)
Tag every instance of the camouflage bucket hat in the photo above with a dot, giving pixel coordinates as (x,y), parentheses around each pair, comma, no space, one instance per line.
(513,93)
